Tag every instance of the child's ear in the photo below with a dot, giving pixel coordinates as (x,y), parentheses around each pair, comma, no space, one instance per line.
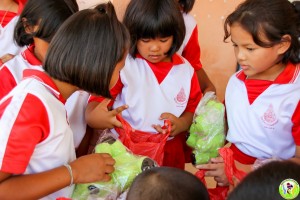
(29,29)
(284,44)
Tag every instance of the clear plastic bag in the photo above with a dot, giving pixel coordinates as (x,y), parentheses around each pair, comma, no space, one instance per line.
(127,167)
(206,134)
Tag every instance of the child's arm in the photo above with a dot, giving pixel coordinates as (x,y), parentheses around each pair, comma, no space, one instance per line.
(90,168)
(99,117)
(205,83)
(296,159)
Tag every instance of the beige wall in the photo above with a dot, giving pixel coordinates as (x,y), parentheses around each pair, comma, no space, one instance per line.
(216,56)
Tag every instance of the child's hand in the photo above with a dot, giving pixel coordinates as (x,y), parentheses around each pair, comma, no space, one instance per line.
(92,168)
(216,168)
(174,122)
(99,117)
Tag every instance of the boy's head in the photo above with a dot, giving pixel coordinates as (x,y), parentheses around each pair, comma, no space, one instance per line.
(41,19)
(264,183)
(86,49)
(168,184)
(150,19)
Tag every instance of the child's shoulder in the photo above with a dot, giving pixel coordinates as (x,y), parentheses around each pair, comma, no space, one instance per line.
(189,19)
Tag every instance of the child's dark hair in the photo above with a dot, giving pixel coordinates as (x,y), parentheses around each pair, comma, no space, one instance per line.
(154,18)
(186,5)
(86,49)
(263,183)
(46,15)
(272,19)
(168,184)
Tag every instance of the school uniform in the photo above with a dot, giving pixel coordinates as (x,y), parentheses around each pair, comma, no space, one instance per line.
(8,45)
(190,48)
(152,89)
(263,116)
(11,74)
(35,138)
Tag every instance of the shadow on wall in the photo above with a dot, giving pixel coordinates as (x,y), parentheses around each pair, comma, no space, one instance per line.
(217,57)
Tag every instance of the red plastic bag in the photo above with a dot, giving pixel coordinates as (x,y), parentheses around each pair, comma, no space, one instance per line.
(220,193)
(143,143)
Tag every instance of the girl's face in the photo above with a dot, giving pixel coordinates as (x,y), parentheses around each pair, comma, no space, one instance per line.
(257,62)
(155,50)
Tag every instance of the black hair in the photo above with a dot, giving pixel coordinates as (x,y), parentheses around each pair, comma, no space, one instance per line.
(154,18)
(186,5)
(168,184)
(264,182)
(272,19)
(86,49)
(47,15)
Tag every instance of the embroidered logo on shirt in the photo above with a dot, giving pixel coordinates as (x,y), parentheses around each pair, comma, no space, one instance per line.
(181,97)
(269,116)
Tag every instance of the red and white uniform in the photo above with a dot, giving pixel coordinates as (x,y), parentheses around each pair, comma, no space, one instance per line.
(264,116)
(11,74)
(34,133)
(7,43)
(152,89)
(190,48)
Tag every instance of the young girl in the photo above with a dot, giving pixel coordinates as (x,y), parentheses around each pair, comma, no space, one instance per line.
(35,28)
(36,140)
(262,99)
(9,15)
(156,83)
(190,48)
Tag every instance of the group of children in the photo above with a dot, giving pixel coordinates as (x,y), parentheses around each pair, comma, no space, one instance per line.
(63,69)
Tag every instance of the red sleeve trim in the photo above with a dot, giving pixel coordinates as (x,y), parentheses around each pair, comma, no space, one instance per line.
(7,81)
(114,91)
(192,50)
(195,95)
(30,127)
(296,127)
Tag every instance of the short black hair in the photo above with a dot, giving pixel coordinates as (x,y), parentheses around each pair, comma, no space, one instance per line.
(272,18)
(48,15)
(154,18)
(186,5)
(86,49)
(264,182)
(167,183)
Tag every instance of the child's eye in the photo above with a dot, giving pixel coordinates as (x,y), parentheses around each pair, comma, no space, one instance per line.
(234,45)
(145,40)
(250,49)
(164,40)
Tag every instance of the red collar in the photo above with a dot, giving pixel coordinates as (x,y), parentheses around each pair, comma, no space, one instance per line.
(46,80)
(28,54)
(288,75)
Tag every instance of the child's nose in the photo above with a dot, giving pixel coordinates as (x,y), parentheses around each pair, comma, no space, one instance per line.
(154,47)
